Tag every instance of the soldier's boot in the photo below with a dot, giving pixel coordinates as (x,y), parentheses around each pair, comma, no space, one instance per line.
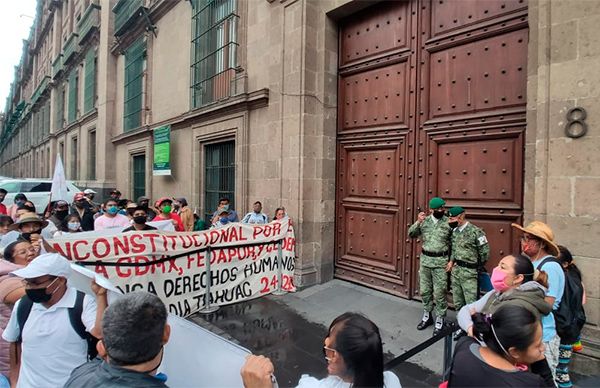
(439,325)
(426,321)
(458,334)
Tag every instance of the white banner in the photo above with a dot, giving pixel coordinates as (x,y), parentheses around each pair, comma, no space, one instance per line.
(59,191)
(182,362)
(243,262)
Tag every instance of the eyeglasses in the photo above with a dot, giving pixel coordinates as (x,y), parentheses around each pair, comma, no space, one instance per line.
(328,352)
(525,238)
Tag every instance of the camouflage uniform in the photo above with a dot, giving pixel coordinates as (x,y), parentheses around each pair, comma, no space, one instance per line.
(467,246)
(433,279)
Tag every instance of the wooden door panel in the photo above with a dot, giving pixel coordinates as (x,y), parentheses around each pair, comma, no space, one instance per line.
(479,76)
(368,242)
(377,31)
(501,236)
(372,174)
(479,169)
(449,15)
(374,98)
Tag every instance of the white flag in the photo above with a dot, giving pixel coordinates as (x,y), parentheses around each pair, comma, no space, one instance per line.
(59,182)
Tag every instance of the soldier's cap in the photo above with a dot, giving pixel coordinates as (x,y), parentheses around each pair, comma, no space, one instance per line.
(541,231)
(436,203)
(456,210)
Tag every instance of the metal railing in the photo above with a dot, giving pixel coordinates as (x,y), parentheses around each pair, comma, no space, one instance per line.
(71,47)
(40,89)
(125,12)
(57,65)
(89,21)
(445,334)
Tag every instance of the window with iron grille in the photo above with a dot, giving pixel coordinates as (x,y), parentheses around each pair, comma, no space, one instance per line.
(219,175)
(139,175)
(47,119)
(73,96)
(135,62)
(60,108)
(89,88)
(74,159)
(214,50)
(91,156)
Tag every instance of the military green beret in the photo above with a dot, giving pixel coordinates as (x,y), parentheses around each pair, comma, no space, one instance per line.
(456,210)
(436,203)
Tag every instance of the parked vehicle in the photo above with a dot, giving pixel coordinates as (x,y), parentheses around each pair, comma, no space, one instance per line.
(36,190)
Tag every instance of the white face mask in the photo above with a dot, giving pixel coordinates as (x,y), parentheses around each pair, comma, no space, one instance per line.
(73,225)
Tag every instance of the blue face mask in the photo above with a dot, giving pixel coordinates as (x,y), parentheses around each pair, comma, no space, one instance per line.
(224,220)
(226,207)
(112,210)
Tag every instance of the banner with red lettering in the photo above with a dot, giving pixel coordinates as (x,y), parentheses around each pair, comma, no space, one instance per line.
(243,262)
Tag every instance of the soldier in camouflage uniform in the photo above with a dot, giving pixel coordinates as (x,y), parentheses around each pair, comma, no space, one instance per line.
(435,234)
(470,250)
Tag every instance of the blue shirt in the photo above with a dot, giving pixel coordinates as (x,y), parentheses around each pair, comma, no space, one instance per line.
(556,288)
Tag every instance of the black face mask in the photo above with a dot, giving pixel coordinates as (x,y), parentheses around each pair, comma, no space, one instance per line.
(139,220)
(61,214)
(438,214)
(144,205)
(39,295)
(27,236)
(79,204)
(453,224)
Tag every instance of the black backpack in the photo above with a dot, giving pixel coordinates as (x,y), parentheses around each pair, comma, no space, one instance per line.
(569,316)
(24,309)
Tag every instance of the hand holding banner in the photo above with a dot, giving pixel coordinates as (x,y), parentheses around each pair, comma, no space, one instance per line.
(172,265)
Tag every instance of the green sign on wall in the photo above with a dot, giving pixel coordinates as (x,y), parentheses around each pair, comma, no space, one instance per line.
(162,151)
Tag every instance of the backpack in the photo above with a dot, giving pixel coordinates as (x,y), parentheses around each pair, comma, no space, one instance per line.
(570,315)
(24,309)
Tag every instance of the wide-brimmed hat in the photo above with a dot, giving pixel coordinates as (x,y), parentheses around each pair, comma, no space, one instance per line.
(541,231)
(26,218)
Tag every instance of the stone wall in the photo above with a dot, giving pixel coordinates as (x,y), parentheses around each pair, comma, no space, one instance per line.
(562,183)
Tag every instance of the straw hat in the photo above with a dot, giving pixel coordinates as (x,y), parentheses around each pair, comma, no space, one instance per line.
(541,231)
(28,217)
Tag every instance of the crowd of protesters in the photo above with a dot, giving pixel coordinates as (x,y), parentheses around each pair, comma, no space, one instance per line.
(55,335)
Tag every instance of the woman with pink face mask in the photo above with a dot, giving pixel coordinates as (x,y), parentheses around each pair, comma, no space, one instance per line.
(515,281)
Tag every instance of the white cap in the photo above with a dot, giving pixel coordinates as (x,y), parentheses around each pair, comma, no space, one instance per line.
(51,264)
(89,191)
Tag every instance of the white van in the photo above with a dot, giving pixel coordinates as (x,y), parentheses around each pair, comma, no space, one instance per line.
(36,190)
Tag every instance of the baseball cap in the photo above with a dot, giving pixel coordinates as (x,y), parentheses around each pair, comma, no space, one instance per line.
(51,264)
(61,203)
(89,191)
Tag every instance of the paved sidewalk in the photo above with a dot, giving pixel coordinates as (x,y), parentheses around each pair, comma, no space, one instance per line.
(290,330)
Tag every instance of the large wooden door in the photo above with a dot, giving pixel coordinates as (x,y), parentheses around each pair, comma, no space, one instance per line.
(431,102)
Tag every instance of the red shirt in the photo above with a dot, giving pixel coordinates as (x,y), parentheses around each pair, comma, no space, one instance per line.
(3,209)
(172,216)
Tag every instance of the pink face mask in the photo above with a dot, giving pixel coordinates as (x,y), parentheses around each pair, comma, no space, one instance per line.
(499,280)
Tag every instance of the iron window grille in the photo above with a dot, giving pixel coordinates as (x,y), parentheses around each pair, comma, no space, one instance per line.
(214,50)
(135,63)
(139,175)
(89,88)
(219,176)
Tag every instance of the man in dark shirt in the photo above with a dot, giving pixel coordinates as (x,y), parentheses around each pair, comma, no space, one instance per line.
(139,220)
(135,331)
(82,208)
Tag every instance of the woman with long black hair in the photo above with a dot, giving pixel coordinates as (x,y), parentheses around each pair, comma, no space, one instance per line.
(354,355)
(513,343)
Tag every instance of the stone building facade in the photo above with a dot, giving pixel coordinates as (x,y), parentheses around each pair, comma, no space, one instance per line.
(252,94)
